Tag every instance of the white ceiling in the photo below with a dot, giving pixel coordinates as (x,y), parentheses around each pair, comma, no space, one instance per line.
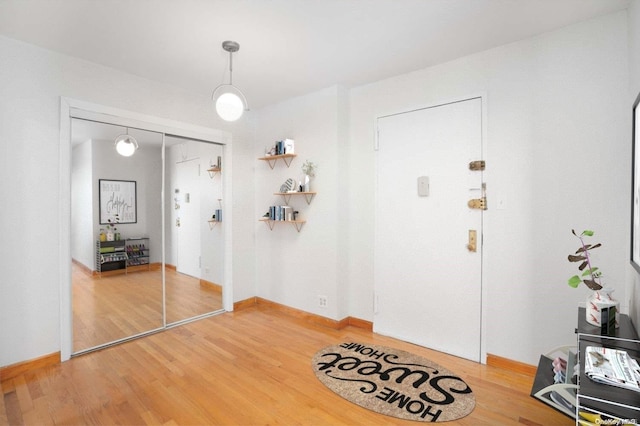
(287,47)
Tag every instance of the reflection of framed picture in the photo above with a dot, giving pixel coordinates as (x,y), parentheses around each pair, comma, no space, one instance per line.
(635,187)
(117,201)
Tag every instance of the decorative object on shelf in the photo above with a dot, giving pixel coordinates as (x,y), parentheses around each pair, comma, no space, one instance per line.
(289,146)
(590,276)
(602,310)
(217,215)
(282,214)
(126,145)
(288,186)
(112,231)
(285,146)
(309,170)
(229,100)
(103,235)
(214,169)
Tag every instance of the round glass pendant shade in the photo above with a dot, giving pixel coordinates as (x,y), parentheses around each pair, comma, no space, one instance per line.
(126,145)
(229,106)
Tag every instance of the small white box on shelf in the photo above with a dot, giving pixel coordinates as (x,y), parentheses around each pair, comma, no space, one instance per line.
(289,146)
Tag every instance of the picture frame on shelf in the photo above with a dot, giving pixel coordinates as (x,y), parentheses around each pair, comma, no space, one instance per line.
(118,202)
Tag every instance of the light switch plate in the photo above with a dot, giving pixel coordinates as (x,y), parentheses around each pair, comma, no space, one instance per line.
(423,186)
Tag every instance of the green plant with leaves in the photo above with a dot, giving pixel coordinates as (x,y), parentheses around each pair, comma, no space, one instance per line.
(112,224)
(590,274)
(309,168)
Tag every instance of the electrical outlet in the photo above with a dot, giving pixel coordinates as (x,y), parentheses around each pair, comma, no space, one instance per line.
(322,301)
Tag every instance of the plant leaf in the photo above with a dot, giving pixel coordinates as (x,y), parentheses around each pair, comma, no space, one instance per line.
(591,271)
(574,281)
(573,258)
(592,284)
(587,232)
(583,265)
(588,247)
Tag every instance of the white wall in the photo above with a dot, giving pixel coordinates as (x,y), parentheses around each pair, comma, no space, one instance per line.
(558,153)
(31,83)
(295,268)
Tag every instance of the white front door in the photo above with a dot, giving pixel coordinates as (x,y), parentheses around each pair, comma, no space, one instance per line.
(189,223)
(427,281)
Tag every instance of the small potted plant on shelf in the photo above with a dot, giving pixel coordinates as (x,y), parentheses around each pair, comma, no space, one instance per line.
(112,231)
(309,170)
(600,298)
(590,276)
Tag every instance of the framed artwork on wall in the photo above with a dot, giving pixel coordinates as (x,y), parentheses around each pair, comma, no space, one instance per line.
(117,201)
(635,187)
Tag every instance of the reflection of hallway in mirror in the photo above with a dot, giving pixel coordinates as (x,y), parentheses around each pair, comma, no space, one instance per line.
(188,296)
(119,306)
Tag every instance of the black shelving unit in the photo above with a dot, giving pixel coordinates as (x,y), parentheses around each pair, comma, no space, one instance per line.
(579,393)
(611,403)
(110,256)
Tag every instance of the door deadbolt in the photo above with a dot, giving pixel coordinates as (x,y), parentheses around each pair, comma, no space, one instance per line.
(477,166)
(478,203)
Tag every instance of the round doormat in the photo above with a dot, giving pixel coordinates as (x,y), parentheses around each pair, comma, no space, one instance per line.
(393,382)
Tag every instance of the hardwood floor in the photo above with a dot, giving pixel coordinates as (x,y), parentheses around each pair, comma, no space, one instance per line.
(114,307)
(249,367)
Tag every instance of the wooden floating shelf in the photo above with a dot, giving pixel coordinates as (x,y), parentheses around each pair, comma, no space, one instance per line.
(213,223)
(287,195)
(214,171)
(273,159)
(271,223)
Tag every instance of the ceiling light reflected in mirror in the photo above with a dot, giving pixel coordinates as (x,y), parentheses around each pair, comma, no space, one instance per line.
(126,145)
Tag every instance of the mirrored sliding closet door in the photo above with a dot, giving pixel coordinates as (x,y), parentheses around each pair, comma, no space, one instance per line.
(133,272)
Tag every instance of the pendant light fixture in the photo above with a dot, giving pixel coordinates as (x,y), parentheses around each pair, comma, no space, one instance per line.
(126,145)
(230,101)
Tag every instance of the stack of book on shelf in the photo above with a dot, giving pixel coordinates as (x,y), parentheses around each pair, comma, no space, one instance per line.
(612,367)
(281,213)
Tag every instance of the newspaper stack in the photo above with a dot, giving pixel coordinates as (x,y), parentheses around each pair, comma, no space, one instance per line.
(612,367)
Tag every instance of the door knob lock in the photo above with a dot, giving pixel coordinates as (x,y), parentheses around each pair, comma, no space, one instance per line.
(473,238)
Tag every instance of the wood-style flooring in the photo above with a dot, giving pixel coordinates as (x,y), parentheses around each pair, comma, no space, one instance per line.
(114,307)
(249,367)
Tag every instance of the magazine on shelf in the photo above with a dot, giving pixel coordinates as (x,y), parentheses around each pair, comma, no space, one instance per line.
(612,367)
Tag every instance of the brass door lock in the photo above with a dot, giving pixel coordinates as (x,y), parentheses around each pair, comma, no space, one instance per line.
(473,238)
(478,203)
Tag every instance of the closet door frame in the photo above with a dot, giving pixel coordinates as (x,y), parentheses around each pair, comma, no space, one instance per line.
(74,108)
